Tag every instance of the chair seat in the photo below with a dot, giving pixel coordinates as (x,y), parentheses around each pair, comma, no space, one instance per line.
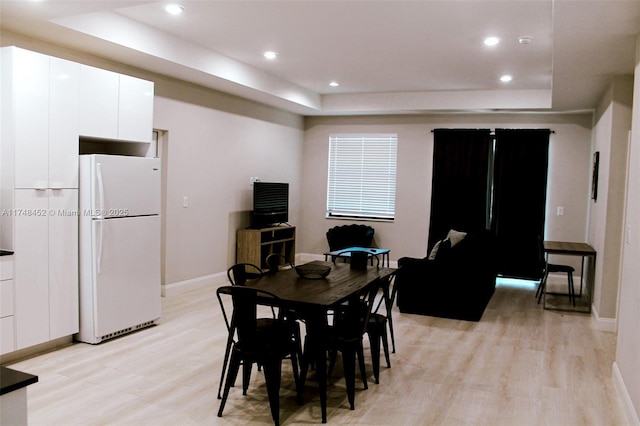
(560,268)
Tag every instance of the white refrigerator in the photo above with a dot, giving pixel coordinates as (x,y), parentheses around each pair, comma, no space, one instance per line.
(119,245)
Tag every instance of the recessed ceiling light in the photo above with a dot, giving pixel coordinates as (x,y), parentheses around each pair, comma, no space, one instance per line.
(506,78)
(270,55)
(174,9)
(491,41)
(334,84)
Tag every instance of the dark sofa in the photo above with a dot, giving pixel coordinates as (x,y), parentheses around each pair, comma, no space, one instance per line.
(458,283)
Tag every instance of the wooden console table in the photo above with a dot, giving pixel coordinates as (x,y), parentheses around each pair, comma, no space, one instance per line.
(588,254)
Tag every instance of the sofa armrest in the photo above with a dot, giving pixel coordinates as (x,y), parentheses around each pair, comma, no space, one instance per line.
(412,262)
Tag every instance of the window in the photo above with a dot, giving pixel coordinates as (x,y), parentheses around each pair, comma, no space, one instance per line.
(362,176)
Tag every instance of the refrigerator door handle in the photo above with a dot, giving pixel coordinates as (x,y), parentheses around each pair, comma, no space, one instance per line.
(100,213)
(99,239)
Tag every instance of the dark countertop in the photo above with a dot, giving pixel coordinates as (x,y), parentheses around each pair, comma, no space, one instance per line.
(5,253)
(12,380)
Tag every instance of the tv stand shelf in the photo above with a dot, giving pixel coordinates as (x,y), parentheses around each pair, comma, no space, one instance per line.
(254,245)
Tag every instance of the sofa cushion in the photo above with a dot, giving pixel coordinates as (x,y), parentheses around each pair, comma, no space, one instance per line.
(444,249)
(434,250)
(456,236)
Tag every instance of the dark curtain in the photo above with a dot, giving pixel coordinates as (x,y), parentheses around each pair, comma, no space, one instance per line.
(460,181)
(519,199)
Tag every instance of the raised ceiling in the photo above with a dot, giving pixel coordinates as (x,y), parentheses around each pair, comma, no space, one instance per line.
(388,56)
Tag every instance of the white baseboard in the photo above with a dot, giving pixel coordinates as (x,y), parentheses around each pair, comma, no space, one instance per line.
(623,393)
(603,324)
(599,323)
(182,286)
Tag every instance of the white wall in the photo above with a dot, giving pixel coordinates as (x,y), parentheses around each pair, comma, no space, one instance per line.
(569,174)
(628,344)
(610,139)
(215,144)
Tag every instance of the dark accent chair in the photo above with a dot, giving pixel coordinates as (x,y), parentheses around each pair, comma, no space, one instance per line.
(457,284)
(345,236)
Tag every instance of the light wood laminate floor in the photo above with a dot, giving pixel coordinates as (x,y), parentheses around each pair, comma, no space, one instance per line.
(520,365)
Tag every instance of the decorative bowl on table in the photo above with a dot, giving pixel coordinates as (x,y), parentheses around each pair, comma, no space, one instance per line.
(313,272)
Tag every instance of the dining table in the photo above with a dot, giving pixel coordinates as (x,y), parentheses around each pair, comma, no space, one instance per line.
(313,299)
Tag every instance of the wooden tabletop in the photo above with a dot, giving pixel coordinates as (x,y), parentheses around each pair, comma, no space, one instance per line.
(567,247)
(342,283)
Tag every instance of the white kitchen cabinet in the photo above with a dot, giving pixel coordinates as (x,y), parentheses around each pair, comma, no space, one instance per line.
(46,268)
(115,106)
(135,122)
(63,263)
(64,106)
(40,110)
(7,340)
(99,93)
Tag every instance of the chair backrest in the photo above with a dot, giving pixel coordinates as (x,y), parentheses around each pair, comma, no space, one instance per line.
(352,318)
(393,291)
(275,260)
(345,236)
(240,273)
(245,309)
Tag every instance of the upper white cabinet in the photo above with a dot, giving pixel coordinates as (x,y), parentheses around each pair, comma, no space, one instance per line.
(115,106)
(64,105)
(40,119)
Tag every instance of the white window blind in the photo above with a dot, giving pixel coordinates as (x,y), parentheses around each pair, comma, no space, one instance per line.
(362,176)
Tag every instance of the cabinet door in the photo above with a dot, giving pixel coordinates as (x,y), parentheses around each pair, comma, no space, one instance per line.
(31,273)
(7,341)
(63,263)
(31,118)
(135,109)
(63,123)
(98,102)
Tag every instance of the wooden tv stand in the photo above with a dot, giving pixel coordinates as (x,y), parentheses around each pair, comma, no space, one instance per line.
(254,245)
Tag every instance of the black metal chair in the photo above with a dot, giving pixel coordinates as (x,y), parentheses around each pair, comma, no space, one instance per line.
(346,334)
(554,268)
(276,261)
(240,273)
(379,325)
(265,345)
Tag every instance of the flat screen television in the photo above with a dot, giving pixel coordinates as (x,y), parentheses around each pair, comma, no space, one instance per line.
(270,204)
